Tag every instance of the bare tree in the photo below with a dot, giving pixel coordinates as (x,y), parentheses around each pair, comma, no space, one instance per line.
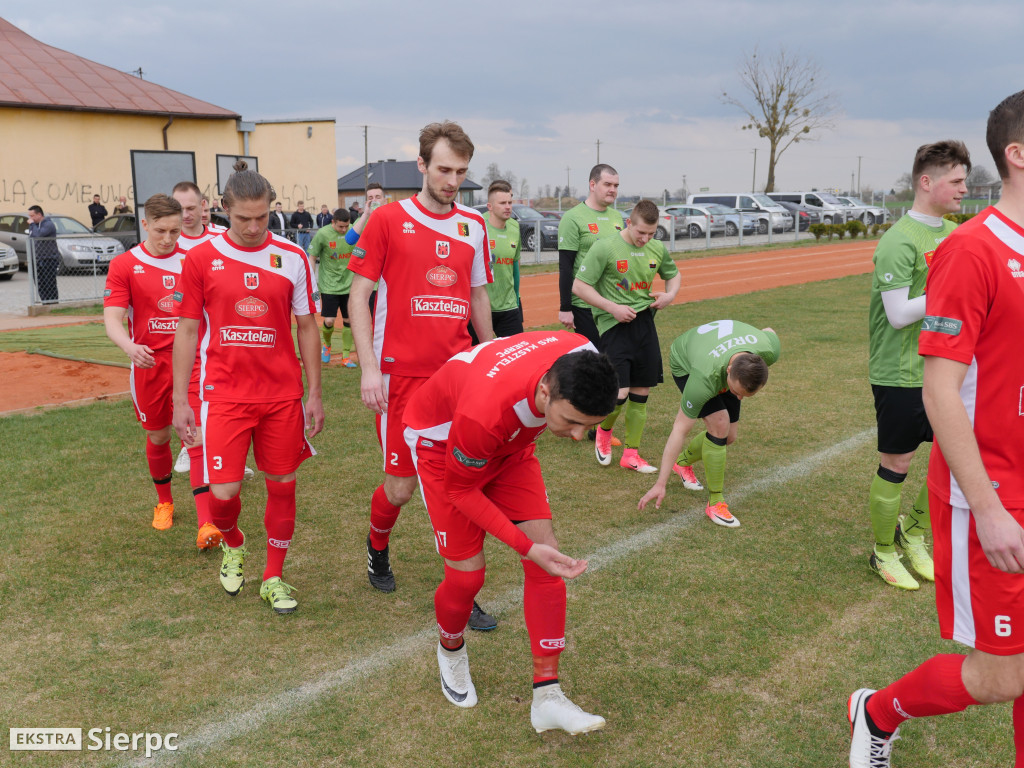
(789,103)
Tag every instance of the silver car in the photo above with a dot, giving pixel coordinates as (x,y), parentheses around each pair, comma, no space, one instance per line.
(78,246)
(8,262)
(690,220)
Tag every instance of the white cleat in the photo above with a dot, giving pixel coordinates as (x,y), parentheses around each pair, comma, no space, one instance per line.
(456,683)
(249,474)
(552,710)
(866,749)
(182,463)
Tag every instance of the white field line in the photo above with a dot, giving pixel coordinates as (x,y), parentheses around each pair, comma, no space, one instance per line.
(277,707)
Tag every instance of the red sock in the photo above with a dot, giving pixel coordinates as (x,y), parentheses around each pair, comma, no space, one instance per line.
(200,490)
(196,466)
(453,602)
(1018,731)
(544,608)
(201,496)
(160,463)
(383,515)
(279,520)
(225,517)
(934,688)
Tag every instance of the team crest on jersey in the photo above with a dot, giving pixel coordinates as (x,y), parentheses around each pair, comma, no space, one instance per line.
(592,226)
(250,306)
(928,258)
(494,244)
(169,282)
(442,276)
(652,264)
(332,245)
(275,260)
(252,280)
(618,227)
(442,249)
(463,229)
(166,304)
(622,265)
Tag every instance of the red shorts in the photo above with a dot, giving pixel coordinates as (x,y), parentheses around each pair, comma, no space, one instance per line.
(979,605)
(513,483)
(151,393)
(397,460)
(276,432)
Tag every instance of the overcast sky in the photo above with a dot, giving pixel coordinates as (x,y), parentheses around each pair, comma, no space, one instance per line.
(537,84)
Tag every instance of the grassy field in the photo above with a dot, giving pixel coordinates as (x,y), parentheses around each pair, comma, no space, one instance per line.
(701,646)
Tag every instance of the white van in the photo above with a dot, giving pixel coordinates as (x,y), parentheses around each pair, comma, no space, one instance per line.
(766,211)
(832,211)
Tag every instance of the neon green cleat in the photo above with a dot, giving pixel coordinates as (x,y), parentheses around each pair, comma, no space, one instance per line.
(917,552)
(231,577)
(278,594)
(889,567)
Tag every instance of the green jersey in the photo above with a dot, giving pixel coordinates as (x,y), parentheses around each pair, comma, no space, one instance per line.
(703,353)
(333,253)
(901,261)
(580,228)
(505,246)
(624,273)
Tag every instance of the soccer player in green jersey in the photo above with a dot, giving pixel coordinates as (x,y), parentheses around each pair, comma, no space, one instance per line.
(617,279)
(503,239)
(715,366)
(895,369)
(332,252)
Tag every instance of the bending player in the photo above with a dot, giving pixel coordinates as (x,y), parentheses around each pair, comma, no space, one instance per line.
(140,284)
(331,249)
(715,366)
(471,429)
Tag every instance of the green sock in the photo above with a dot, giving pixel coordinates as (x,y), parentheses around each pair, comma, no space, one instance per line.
(918,521)
(884,507)
(714,469)
(609,422)
(346,340)
(636,418)
(694,451)
(326,333)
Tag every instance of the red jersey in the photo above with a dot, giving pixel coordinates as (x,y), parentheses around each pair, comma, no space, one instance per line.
(481,404)
(187,242)
(247,297)
(145,284)
(426,265)
(975,308)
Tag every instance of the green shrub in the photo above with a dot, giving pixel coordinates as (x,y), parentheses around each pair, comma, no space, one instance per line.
(959,218)
(818,230)
(855,227)
(839,230)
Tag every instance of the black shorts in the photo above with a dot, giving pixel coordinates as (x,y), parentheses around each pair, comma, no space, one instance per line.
(330,303)
(634,351)
(583,319)
(723,401)
(902,422)
(507,323)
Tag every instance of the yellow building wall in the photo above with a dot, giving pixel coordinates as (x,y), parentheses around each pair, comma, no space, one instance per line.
(299,163)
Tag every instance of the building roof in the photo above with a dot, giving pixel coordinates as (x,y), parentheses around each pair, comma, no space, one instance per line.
(39,76)
(390,174)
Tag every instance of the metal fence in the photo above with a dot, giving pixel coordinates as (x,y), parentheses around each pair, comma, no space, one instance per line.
(69,270)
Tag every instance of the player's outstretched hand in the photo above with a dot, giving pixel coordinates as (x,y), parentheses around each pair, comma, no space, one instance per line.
(1002,540)
(141,356)
(184,422)
(657,493)
(371,387)
(565,318)
(314,416)
(555,563)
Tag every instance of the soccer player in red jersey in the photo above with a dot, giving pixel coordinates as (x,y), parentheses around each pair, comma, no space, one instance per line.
(471,429)
(430,256)
(246,284)
(140,285)
(973,384)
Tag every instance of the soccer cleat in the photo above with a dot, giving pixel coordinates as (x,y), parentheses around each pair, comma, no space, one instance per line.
(183,462)
(866,749)
(279,595)
(163,515)
(378,567)
(480,620)
(325,353)
(350,363)
(209,537)
(552,710)
(632,460)
(231,577)
(616,443)
(249,473)
(690,481)
(456,682)
(603,446)
(720,515)
(889,567)
(917,552)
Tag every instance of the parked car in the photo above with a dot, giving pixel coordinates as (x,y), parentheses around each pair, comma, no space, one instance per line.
(8,262)
(733,219)
(690,220)
(832,211)
(120,226)
(79,246)
(765,210)
(551,214)
(807,214)
(530,220)
(866,212)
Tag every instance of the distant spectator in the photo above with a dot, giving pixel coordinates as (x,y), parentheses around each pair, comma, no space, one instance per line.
(303,222)
(324,218)
(216,207)
(122,206)
(278,222)
(354,211)
(206,210)
(47,257)
(97,211)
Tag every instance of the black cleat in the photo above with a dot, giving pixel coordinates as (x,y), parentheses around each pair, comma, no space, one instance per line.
(592,435)
(480,620)
(378,567)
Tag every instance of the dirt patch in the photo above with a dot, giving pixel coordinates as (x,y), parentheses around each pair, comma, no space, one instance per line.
(32,381)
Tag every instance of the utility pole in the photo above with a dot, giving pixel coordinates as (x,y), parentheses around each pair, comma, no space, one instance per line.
(685,190)
(851,182)
(567,169)
(598,151)
(753,182)
(366,157)
(858,174)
